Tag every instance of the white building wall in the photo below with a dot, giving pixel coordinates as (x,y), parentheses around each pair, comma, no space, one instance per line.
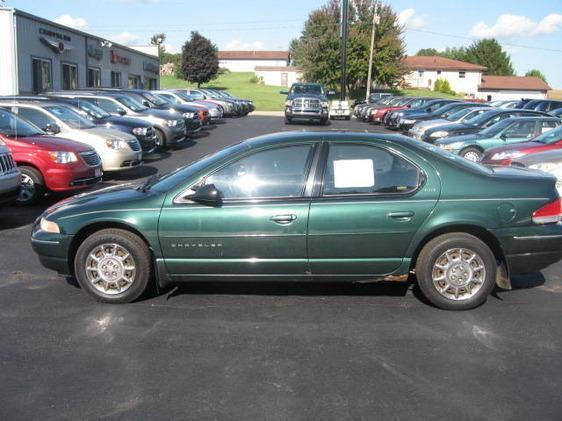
(426,79)
(240,65)
(510,95)
(8,54)
(275,77)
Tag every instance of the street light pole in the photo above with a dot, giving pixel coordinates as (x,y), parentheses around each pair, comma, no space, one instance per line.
(371,52)
(345,8)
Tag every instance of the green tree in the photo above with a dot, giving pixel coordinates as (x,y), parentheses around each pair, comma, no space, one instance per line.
(158,39)
(199,60)
(536,73)
(489,53)
(317,50)
(428,52)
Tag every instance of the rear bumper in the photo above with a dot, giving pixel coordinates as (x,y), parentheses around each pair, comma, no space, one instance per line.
(531,248)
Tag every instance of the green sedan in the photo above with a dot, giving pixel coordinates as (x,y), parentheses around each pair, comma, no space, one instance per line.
(505,132)
(311,206)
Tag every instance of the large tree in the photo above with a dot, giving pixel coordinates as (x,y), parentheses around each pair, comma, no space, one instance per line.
(455,53)
(489,53)
(536,73)
(158,39)
(199,60)
(317,50)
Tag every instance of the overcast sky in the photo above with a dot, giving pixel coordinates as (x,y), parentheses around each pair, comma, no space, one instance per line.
(530,31)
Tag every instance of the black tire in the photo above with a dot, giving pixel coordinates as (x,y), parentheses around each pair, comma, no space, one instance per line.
(324,122)
(34,188)
(434,250)
(348,117)
(288,120)
(471,153)
(132,244)
(162,141)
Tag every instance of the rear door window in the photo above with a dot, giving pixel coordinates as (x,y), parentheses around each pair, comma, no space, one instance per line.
(39,118)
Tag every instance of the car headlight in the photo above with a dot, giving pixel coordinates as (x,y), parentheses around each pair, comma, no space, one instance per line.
(115,144)
(172,123)
(188,115)
(400,114)
(49,226)
(324,104)
(140,131)
(63,157)
(451,146)
(407,121)
(289,103)
(439,133)
(505,155)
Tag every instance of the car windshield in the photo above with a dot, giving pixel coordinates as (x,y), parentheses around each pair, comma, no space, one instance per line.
(13,126)
(170,180)
(456,116)
(404,101)
(197,95)
(307,89)
(92,110)
(155,99)
(166,99)
(70,117)
(185,96)
(417,103)
(494,129)
(551,136)
(131,103)
(479,120)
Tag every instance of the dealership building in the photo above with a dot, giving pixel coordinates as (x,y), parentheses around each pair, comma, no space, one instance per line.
(37,55)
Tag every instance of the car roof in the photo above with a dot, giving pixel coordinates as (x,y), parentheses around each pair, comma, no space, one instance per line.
(40,104)
(529,118)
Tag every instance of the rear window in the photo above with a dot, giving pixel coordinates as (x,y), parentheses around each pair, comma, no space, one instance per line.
(450,157)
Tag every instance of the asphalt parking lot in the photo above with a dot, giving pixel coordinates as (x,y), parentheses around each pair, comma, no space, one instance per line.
(269,351)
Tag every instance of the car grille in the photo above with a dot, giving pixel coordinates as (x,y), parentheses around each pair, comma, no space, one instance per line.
(306,103)
(135,145)
(6,163)
(91,158)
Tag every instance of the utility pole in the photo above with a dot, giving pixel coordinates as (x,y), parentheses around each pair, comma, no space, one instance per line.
(345,8)
(376,20)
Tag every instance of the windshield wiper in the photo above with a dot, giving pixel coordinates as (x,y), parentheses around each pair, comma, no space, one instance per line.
(144,187)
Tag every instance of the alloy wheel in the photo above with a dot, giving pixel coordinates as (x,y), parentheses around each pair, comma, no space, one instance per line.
(110,268)
(27,189)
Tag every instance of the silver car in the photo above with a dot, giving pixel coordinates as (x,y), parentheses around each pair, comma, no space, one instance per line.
(10,177)
(118,150)
(180,97)
(459,117)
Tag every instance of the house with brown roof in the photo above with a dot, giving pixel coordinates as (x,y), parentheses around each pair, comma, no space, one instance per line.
(246,61)
(512,87)
(425,70)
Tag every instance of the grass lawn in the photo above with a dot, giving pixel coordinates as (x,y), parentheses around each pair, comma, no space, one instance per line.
(266,98)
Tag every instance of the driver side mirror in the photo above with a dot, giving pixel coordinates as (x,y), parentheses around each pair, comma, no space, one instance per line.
(207,195)
(121,111)
(503,136)
(52,128)
(146,103)
(284,92)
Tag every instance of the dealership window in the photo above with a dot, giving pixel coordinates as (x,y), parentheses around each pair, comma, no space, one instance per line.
(462,75)
(360,169)
(150,83)
(94,77)
(134,82)
(42,76)
(115,79)
(420,73)
(438,72)
(69,76)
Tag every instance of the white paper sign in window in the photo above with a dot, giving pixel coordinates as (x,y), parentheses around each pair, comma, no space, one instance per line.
(353,173)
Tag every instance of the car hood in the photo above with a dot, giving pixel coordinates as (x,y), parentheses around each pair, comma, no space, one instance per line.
(180,108)
(124,121)
(108,133)
(58,144)
(315,96)
(163,114)
(458,128)
(461,138)
(432,123)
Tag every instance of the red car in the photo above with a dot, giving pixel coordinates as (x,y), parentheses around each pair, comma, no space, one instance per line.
(377,114)
(504,155)
(47,163)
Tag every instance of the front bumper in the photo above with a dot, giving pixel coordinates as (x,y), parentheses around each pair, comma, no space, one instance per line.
(119,160)
(532,248)
(72,178)
(52,249)
(148,143)
(306,113)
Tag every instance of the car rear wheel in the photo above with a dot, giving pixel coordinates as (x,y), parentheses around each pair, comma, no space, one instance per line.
(114,266)
(472,154)
(161,142)
(32,186)
(456,271)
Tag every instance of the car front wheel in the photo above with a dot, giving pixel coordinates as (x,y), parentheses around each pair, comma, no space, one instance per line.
(32,186)
(456,271)
(472,154)
(114,266)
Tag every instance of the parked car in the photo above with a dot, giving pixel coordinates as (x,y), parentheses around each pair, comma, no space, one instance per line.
(10,176)
(143,131)
(230,108)
(287,205)
(556,113)
(362,109)
(118,151)
(246,104)
(505,132)
(340,109)
(503,104)
(367,111)
(549,161)
(169,126)
(213,111)
(47,164)
(399,120)
(461,116)
(546,105)
(306,101)
(440,113)
(550,140)
(476,124)
(378,113)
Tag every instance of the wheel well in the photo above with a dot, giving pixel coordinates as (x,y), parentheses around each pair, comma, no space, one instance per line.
(475,230)
(88,230)
(28,164)
(473,147)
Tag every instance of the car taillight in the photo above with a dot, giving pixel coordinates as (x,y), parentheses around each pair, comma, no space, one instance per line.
(550,213)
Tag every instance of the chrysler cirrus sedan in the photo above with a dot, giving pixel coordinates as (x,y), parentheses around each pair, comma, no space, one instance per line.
(311,206)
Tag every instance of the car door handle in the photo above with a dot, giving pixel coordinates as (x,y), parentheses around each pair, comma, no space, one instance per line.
(283,219)
(401,216)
